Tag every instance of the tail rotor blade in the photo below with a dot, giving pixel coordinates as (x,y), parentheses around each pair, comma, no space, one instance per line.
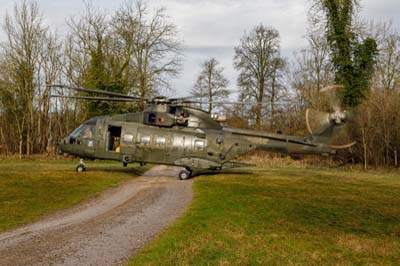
(335,118)
(331,93)
(342,137)
(316,119)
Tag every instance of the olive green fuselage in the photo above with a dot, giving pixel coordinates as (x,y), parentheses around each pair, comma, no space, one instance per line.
(199,143)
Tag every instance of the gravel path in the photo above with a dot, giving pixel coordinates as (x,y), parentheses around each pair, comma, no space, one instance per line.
(108,230)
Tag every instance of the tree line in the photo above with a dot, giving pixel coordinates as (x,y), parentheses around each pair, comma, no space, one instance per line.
(132,51)
(137,52)
(362,57)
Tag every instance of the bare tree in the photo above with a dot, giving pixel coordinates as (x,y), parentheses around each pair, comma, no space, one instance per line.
(30,62)
(152,40)
(91,37)
(130,52)
(74,62)
(314,70)
(15,116)
(387,74)
(254,59)
(211,84)
(24,33)
(50,72)
(275,87)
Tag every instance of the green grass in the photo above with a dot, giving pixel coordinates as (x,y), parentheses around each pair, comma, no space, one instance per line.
(285,217)
(30,189)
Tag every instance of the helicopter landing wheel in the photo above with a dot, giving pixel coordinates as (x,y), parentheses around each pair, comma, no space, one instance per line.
(184,174)
(81,168)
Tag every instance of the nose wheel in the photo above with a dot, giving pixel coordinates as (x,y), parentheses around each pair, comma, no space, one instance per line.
(81,166)
(185,174)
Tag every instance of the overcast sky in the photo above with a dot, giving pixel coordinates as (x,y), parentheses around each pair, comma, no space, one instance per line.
(211,28)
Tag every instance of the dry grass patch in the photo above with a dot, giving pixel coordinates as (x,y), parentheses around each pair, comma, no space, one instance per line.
(386,247)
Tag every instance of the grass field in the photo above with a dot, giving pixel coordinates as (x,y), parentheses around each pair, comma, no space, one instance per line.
(285,217)
(30,189)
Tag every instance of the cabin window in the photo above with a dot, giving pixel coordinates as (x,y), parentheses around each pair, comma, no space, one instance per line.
(199,144)
(152,118)
(128,138)
(90,143)
(160,141)
(145,140)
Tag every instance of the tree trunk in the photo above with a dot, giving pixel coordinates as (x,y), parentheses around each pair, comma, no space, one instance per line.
(28,143)
(272,102)
(365,149)
(20,146)
(259,104)
(210,104)
(258,113)
(3,140)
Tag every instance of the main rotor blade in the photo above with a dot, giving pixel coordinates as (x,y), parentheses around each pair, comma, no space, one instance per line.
(238,103)
(112,99)
(108,93)
(187,98)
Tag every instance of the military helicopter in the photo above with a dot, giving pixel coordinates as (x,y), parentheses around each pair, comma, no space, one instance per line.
(170,132)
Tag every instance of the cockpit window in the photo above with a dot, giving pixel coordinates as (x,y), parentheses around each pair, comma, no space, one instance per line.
(84,131)
(91,122)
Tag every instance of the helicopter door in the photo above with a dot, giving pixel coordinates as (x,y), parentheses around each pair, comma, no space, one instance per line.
(108,141)
(114,139)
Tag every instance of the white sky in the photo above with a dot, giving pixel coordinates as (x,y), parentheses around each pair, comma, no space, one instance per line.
(211,28)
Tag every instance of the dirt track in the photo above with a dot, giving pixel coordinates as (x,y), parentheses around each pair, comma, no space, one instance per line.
(105,231)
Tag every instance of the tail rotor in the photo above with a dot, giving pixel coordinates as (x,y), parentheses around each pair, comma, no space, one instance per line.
(332,125)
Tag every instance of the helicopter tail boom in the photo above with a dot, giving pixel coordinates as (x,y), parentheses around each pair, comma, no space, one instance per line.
(282,143)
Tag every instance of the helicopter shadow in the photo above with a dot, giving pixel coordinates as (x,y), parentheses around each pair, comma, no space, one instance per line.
(162,171)
(137,171)
(226,171)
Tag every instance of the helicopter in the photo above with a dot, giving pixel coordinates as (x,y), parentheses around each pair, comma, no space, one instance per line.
(170,132)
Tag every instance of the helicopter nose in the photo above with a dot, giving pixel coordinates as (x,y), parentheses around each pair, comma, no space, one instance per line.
(62,146)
